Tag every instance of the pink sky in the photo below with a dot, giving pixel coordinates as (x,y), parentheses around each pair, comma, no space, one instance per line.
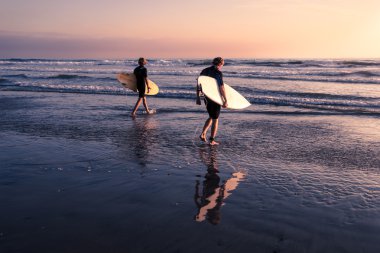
(197,28)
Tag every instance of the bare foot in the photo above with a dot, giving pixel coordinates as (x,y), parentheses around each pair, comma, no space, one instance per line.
(133,115)
(152,111)
(213,143)
(202,137)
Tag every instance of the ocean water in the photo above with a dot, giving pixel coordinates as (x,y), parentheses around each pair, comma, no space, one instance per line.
(298,171)
(291,86)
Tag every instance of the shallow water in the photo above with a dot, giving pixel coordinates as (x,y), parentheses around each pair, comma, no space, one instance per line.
(78,175)
(292,86)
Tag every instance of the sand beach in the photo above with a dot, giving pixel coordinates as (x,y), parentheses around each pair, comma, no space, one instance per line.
(79,175)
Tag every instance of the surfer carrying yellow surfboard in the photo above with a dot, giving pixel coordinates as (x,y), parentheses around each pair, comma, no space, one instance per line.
(213,108)
(141,74)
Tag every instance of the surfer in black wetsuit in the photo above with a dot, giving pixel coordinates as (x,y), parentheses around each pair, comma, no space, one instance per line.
(141,74)
(213,108)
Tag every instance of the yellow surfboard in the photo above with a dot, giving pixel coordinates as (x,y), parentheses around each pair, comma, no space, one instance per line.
(128,80)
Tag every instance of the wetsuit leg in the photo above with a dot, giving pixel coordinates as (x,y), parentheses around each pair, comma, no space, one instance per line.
(213,109)
(141,89)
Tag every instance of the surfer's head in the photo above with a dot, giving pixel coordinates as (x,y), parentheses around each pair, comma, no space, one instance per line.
(218,62)
(142,61)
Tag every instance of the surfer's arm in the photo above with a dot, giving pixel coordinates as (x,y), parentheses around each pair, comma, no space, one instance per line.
(223,93)
(219,79)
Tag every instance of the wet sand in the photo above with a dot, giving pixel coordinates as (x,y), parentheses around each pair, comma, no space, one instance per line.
(79,175)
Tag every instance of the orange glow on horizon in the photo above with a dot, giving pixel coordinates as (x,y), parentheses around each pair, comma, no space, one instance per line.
(238,29)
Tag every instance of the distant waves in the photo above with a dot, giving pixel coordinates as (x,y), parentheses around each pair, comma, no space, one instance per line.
(344,86)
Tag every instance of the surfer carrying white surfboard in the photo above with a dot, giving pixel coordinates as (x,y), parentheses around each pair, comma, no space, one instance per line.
(213,108)
(141,74)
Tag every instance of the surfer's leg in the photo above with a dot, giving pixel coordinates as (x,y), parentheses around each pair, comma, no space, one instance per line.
(214,112)
(146,105)
(210,105)
(205,128)
(214,130)
(136,107)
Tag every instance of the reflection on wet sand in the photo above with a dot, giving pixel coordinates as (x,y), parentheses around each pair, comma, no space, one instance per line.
(138,140)
(143,133)
(210,200)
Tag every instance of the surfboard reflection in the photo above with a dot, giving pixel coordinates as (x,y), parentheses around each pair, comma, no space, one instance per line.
(210,200)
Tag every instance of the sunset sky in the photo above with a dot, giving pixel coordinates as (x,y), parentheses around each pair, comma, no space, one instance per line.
(191,29)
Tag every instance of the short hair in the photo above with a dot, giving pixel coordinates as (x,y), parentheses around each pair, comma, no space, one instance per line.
(217,61)
(141,60)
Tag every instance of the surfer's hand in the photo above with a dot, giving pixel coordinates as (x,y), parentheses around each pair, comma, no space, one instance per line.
(225,104)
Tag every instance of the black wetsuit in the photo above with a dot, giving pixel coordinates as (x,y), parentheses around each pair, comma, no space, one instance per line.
(141,73)
(213,108)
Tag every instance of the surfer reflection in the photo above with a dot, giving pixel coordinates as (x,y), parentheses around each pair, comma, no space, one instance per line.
(139,139)
(210,200)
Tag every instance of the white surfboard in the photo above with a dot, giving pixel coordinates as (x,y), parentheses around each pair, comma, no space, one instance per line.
(128,80)
(210,88)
